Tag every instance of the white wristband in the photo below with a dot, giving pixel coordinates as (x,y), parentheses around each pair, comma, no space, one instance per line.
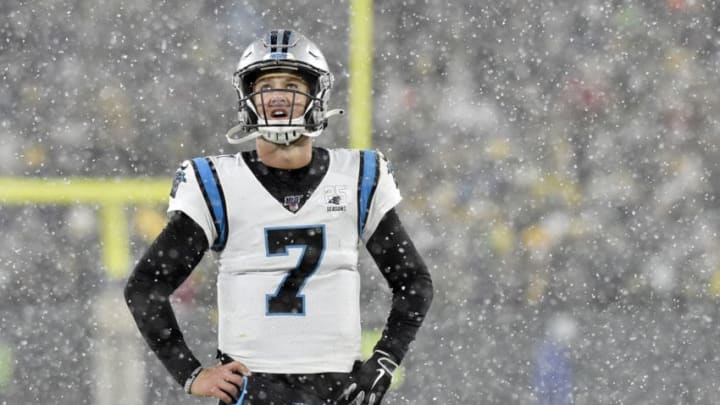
(189,382)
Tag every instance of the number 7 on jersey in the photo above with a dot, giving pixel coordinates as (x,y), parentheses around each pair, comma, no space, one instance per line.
(288,299)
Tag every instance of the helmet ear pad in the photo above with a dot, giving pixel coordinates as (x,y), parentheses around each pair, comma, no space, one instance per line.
(244,116)
(315,114)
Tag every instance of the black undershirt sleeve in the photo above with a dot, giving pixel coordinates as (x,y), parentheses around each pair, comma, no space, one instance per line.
(410,282)
(164,266)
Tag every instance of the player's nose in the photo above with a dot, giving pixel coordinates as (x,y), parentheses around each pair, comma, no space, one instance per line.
(277,98)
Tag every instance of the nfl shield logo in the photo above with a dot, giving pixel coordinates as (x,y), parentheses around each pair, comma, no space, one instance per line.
(292,202)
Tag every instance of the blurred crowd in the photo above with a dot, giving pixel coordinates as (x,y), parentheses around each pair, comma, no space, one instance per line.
(558,160)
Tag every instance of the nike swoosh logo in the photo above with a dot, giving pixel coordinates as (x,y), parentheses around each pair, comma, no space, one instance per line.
(381,373)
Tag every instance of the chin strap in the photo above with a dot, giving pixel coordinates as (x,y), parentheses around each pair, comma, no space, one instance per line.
(230,134)
(332,113)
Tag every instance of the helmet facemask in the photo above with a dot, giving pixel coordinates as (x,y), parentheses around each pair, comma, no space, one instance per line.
(289,126)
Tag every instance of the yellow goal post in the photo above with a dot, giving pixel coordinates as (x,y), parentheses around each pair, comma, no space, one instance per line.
(111,196)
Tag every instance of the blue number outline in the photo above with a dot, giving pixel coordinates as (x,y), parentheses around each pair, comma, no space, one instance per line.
(297,268)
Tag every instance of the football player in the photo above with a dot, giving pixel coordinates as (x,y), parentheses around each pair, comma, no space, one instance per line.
(286,220)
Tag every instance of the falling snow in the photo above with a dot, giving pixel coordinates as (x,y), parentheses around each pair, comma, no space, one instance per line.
(558,161)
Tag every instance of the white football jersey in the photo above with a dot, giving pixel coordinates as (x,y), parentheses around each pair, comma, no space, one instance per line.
(288,282)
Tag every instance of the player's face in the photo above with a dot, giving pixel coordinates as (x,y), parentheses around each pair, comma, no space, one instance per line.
(278,95)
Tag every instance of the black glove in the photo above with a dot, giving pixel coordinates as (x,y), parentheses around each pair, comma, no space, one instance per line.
(367,384)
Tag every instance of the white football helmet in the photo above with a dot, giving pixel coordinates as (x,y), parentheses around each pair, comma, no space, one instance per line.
(287,51)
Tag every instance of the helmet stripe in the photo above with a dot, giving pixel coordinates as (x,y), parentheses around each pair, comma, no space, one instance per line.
(285,40)
(273,41)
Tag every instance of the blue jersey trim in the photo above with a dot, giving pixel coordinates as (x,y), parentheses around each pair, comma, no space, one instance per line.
(368,181)
(214,198)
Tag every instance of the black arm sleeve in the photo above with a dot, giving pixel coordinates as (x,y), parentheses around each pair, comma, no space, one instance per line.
(409,279)
(164,266)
